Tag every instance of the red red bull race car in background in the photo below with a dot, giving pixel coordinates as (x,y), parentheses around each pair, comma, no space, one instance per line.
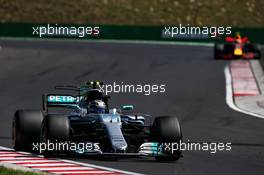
(237,48)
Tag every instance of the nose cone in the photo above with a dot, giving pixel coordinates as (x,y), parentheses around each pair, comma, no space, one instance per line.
(116,137)
(119,144)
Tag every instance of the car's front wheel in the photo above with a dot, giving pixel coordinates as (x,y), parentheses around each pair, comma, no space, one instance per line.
(167,130)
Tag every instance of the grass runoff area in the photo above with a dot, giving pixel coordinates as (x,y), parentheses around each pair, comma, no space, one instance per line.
(6,171)
(239,13)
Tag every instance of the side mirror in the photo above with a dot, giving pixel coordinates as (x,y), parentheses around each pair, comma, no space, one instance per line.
(127,107)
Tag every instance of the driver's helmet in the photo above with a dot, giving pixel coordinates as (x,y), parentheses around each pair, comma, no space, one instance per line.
(238,38)
(97,106)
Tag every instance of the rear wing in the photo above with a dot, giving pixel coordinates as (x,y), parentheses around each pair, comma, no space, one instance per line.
(64,100)
(58,100)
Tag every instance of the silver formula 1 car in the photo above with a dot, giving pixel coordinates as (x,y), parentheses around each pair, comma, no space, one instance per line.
(89,121)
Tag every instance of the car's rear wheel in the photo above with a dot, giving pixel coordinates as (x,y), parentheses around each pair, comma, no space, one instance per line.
(166,129)
(218,49)
(26,129)
(55,130)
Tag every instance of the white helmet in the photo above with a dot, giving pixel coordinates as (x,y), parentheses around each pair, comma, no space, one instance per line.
(97,106)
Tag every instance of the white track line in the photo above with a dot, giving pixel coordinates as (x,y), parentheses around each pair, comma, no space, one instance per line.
(3,149)
(229,95)
(147,42)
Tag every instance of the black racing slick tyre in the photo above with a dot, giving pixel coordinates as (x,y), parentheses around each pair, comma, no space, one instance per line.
(218,50)
(26,129)
(167,129)
(55,130)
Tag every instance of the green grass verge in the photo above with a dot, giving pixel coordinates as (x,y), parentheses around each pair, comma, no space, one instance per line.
(6,171)
(239,13)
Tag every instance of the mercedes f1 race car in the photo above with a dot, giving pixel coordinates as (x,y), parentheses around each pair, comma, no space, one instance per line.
(237,48)
(87,120)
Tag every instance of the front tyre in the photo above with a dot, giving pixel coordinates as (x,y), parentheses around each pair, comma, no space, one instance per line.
(166,129)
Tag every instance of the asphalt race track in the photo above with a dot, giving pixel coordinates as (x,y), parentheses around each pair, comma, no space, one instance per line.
(195,92)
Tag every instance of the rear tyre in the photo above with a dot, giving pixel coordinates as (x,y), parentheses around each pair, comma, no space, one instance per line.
(26,129)
(218,49)
(167,130)
(55,129)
